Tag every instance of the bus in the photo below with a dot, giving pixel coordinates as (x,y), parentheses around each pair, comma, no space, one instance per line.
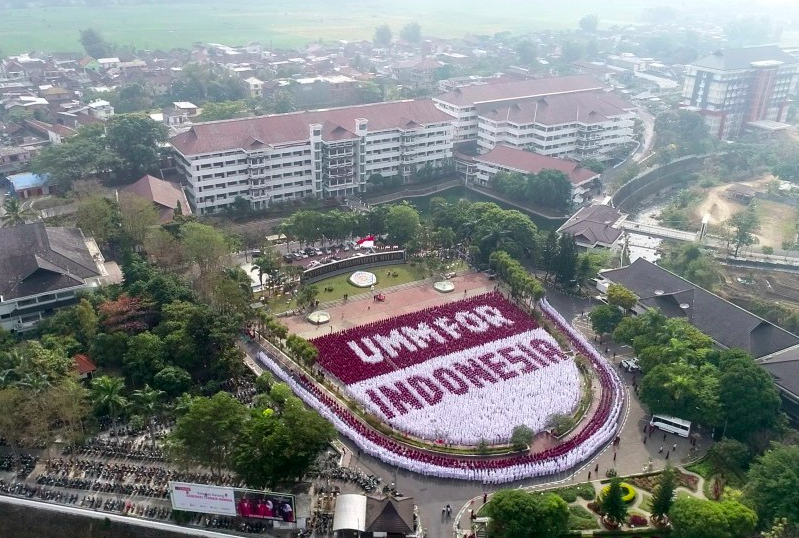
(671,424)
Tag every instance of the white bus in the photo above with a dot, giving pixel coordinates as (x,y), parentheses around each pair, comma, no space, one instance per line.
(671,424)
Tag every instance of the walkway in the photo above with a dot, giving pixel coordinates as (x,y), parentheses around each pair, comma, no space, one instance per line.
(412,193)
(661,232)
(541,212)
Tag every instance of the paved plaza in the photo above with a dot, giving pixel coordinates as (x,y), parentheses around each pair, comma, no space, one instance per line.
(631,456)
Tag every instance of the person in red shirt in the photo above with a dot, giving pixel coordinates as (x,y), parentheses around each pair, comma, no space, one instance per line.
(245,508)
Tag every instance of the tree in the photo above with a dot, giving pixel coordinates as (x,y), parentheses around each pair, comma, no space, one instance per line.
(94,44)
(565,266)
(382,36)
(695,518)
(729,454)
(136,215)
(772,483)
(204,245)
(136,140)
(605,318)
(207,433)
(224,110)
(281,102)
(131,98)
(164,247)
(147,402)
(69,401)
(589,23)
(306,295)
(411,32)
(172,380)
(274,447)
(518,514)
(612,502)
(14,418)
(526,50)
(402,223)
(145,356)
(663,496)
(106,395)
(750,400)
(521,437)
(95,217)
(683,130)
(87,322)
(16,212)
(744,225)
(620,296)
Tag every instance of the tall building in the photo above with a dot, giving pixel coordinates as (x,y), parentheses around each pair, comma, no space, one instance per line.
(736,88)
(574,116)
(320,153)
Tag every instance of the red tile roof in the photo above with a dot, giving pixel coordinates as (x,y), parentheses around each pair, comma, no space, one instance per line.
(163,193)
(84,364)
(484,93)
(533,163)
(286,128)
(585,107)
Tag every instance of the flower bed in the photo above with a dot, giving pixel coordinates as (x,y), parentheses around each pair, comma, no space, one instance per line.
(456,373)
(628,492)
(589,438)
(363,279)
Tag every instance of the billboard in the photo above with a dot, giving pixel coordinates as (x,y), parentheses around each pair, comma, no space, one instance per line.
(227,501)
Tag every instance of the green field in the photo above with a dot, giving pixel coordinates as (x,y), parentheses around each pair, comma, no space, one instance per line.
(288,24)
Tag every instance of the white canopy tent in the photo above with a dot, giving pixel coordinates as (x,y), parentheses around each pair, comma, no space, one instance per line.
(350,513)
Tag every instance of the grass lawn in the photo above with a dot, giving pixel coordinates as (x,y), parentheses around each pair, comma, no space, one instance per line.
(289,24)
(405,273)
(581,519)
(703,468)
(646,503)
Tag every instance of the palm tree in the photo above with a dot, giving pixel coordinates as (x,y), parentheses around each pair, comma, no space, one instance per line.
(106,395)
(147,402)
(15,212)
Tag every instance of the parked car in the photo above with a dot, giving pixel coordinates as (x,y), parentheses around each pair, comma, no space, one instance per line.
(631,365)
(288,258)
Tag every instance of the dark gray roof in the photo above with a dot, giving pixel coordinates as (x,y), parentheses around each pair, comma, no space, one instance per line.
(735,59)
(727,324)
(392,516)
(594,224)
(35,259)
(784,368)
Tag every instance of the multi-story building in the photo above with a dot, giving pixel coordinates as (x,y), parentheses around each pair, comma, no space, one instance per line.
(735,88)
(578,125)
(43,269)
(461,103)
(322,153)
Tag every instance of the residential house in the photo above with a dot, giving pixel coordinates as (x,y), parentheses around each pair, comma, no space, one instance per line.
(84,366)
(595,226)
(13,158)
(27,185)
(255,87)
(324,91)
(507,159)
(321,153)
(43,269)
(167,197)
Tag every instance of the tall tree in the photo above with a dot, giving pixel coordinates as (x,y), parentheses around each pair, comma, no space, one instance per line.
(96,217)
(566,260)
(136,215)
(136,139)
(696,518)
(383,36)
(772,483)
(224,110)
(94,44)
(589,23)
(744,225)
(411,32)
(613,504)
(206,246)
(208,432)
(402,223)
(147,402)
(620,296)
(70,403)
(605,318)
(663,497)
(15,212)
(516,513)
(107,396)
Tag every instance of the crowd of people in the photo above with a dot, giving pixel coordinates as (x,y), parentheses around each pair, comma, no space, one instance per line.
(588,439)
(380,347)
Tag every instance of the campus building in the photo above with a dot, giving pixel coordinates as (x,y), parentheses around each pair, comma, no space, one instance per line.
(43,269)
(321,153)
(735,89)
(575,117)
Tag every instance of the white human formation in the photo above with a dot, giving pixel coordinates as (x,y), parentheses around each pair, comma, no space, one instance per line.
(479,393)
(363,279)
(587,440)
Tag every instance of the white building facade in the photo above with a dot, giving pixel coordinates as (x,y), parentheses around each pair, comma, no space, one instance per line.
(321,154)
